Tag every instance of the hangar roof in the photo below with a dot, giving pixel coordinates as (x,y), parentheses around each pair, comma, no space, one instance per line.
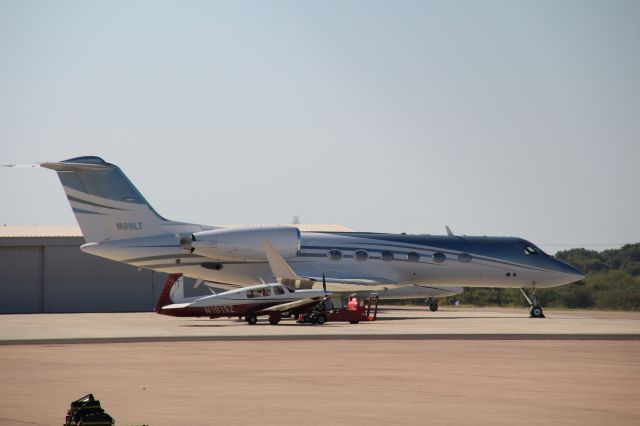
(73,231)
(39,231)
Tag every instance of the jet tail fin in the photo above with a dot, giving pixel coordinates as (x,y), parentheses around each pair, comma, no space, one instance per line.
(107,205)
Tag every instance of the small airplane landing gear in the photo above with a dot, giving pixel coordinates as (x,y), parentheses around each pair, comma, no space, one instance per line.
(321,319)
(535,311)
(251,319)
(433,305)
(274,319)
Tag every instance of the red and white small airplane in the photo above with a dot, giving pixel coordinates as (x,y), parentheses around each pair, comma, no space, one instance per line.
(272,299)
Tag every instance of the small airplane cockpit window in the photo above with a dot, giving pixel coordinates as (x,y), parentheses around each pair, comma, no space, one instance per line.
(439,257)
(278,290)
(387,256)
(265,291)
(360,255)
(335,255)
(259,292)
(413,256)
(464,257)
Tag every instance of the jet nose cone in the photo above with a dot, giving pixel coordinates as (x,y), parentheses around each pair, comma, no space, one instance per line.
(574,274)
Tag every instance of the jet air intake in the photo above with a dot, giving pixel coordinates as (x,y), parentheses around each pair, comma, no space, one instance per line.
(243,244)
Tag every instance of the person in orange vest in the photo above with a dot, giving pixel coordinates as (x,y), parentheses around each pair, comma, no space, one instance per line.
(353,304)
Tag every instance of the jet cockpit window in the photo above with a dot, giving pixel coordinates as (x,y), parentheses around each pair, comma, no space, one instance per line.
(278,290)
(531,250)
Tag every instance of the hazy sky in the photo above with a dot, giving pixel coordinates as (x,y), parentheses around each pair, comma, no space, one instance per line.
(492,117)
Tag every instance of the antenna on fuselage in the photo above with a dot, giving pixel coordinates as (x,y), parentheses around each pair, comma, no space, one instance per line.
(449,232)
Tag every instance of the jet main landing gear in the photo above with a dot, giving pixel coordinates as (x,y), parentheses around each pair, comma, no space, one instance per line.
(535,311)
(433,305)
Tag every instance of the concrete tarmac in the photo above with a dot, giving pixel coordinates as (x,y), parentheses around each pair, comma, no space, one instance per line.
(412,367)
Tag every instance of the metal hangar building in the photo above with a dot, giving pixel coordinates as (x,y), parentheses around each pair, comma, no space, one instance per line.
(43,270)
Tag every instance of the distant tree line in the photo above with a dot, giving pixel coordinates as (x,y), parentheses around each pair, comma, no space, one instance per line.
(612,282)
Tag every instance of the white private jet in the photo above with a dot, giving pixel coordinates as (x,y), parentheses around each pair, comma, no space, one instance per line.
(119,224)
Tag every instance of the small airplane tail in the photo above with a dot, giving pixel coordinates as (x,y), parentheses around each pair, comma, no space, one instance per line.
(106,204)
(165,296)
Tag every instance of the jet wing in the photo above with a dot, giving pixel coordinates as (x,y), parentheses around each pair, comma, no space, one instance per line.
(353,284)
(279,266)
(283,271)
(284,307)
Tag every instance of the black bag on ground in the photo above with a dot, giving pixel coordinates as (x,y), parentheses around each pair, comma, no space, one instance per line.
(87,411)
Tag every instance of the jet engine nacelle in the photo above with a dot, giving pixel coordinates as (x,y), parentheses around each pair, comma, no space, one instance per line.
(243,243)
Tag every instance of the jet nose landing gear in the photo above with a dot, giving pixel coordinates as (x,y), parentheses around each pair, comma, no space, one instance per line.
(535,311)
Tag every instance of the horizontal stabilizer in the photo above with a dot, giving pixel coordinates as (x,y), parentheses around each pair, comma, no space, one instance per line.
(176,306)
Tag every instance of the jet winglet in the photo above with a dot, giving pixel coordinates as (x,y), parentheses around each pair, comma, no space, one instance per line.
(449,232)
(279,266)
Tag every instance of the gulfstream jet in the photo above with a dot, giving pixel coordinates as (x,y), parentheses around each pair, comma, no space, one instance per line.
(119,224)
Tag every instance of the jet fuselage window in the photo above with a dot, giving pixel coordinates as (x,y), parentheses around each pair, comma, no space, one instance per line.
(335,255)
(439,257)
(464,257)
(413,256)
(387,256)
(361,255)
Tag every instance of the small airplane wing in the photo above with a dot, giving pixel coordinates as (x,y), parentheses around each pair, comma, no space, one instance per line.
(284,307)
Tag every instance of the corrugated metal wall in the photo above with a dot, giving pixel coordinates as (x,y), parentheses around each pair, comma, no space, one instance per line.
(21,279)
(78,282)
(54,275)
